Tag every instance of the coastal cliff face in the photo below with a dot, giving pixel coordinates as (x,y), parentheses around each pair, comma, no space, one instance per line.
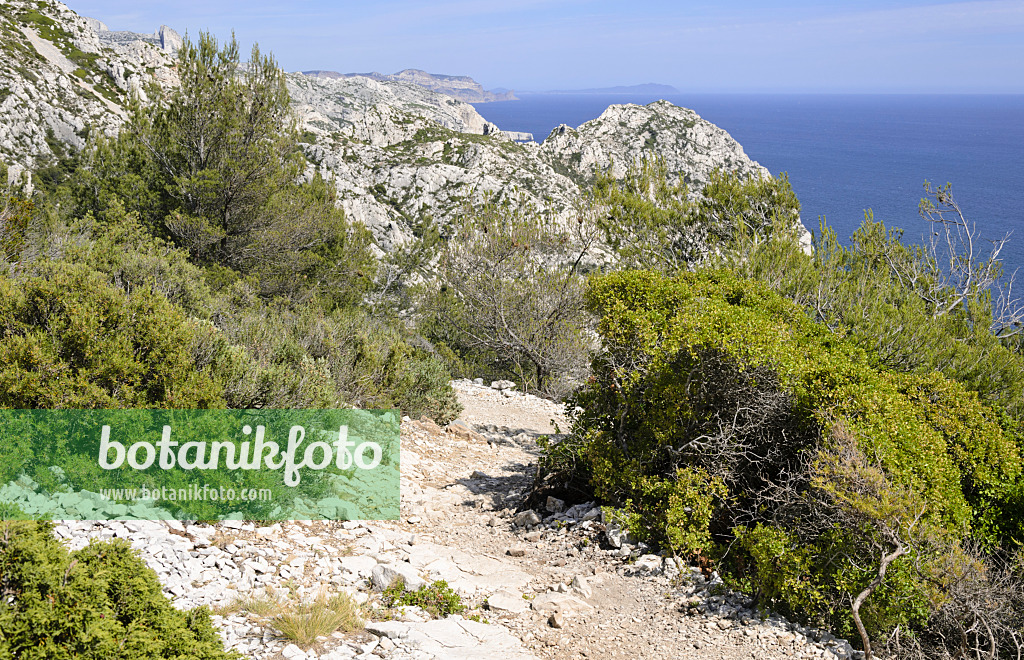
(399,153)
(463,88)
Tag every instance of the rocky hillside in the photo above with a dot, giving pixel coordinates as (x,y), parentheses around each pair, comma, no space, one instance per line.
(463,88)
(398,152)
(62,74)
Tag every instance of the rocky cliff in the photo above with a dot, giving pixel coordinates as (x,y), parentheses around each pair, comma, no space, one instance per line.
(463,88)
(60,77)
(397,151)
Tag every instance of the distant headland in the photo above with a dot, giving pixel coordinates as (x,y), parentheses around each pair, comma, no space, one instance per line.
(463,88)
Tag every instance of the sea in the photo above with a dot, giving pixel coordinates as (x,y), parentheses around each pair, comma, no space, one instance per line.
(847,154)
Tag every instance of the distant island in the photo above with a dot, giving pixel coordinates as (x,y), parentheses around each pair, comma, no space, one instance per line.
(645,88)
(463,88)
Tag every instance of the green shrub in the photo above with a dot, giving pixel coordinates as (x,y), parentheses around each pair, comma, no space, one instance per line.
(721,400)
(886,293)
(14,220)
(436,598)
(279,355)
(651,222)
(100,602)
(70,340)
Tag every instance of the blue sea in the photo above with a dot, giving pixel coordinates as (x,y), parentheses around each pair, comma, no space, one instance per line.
(848,153)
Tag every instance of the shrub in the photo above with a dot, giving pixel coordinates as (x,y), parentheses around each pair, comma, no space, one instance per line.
(100,602)
(899,302)
(279,355)
(70,340)
(436,598)
(721,400)
(14,219)
(653,223)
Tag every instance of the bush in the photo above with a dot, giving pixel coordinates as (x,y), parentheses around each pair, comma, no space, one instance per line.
(100,602)
(653,223)
(278,355)
(898,302)
(14,219)
(70,340)
(436,598)
(719,399)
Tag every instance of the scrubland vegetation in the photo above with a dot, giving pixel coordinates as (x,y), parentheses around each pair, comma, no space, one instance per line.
(837,433)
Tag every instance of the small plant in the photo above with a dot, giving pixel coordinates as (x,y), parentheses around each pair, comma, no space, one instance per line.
(261,606)
(304,622)
(292,586)
(223,539)
(436,598)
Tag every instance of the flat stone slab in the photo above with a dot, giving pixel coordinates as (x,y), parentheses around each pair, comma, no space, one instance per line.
(465,572)
(361,565)
(389,629)
(456,638)
(505,601)
(552,602)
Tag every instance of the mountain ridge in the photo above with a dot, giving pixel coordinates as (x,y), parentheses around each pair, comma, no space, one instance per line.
(463,88)
(399,154)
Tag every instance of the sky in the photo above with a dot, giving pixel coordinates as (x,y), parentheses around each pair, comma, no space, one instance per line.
(797,46)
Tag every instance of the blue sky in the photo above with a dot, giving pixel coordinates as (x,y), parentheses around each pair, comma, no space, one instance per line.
(902,46)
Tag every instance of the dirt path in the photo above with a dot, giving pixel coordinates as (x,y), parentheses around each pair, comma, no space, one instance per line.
(612,606)
(549,583)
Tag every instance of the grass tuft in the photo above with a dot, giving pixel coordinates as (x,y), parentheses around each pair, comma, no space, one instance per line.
(302,623)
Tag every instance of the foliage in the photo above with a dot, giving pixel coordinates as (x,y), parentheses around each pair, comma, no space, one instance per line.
(653,223)
(98,602)
(711,382)
(436,598)
(224,141)
(15,213)
(215,167)
(510,287)
(916,308)
(282,355)
(676,510)
(646,219)
(70,340)
(118,245)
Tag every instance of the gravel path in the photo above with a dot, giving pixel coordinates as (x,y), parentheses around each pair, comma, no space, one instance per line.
(549,584)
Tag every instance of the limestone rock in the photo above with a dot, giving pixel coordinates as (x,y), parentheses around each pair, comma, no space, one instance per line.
(553,601)
(384,574)
(526,518)
(505,601)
